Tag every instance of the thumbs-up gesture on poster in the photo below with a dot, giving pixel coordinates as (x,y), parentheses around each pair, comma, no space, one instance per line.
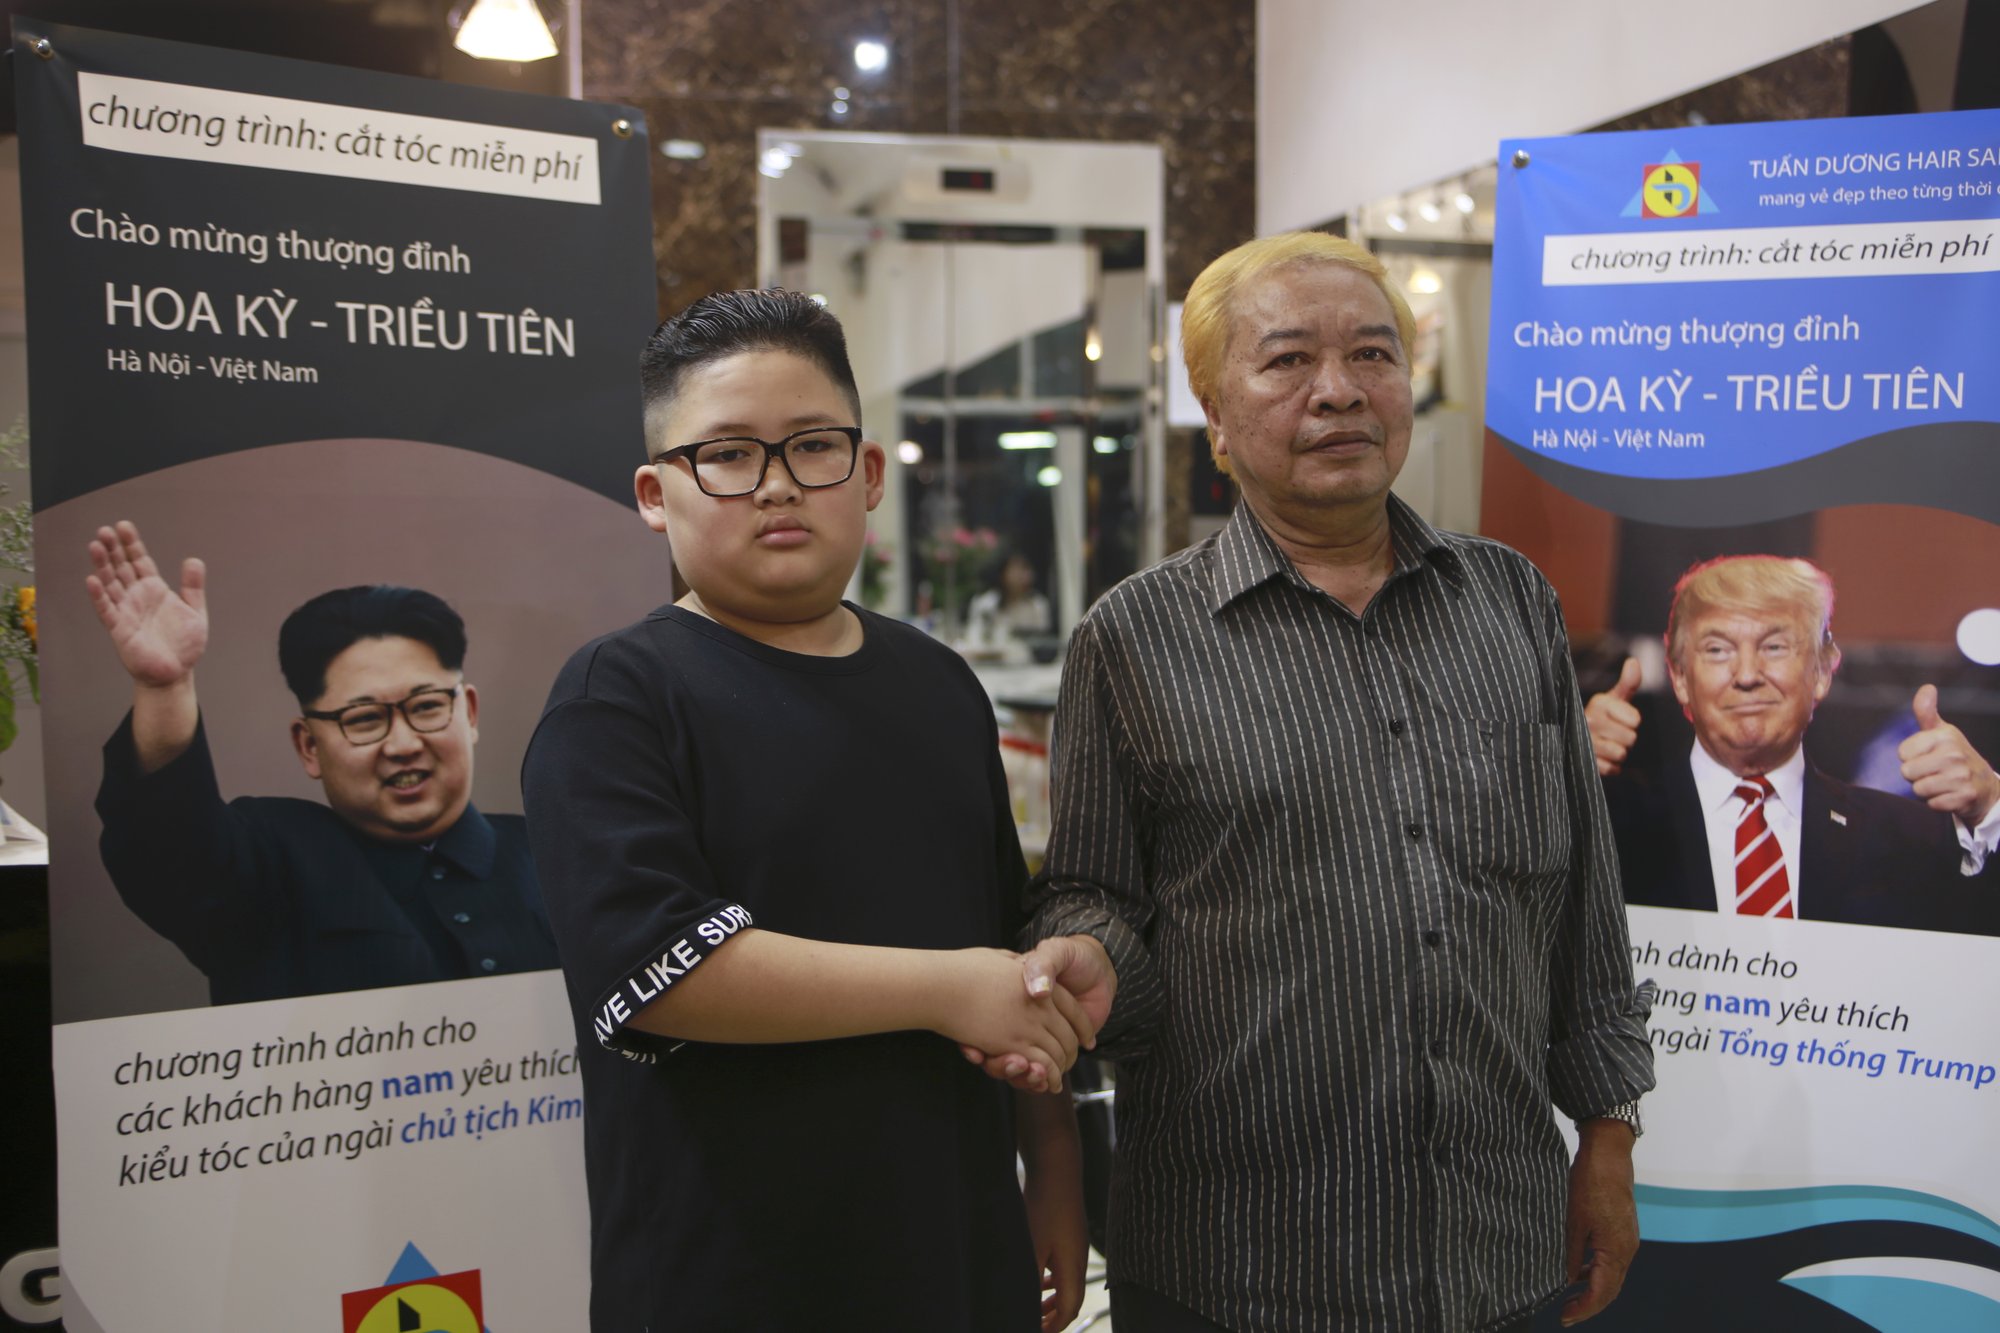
(1942,767)
(1614,720)
(159,633)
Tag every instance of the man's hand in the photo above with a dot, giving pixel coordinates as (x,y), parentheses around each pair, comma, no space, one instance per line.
(1613,721)
(1603,1227)
(991,1010)
(1069,965)
(1942,767)
(159,634)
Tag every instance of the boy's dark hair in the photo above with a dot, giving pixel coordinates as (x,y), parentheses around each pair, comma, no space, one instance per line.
(726,323)
(333,622)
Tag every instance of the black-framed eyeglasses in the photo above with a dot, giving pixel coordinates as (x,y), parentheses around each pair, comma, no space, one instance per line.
(736,464)
(364,724)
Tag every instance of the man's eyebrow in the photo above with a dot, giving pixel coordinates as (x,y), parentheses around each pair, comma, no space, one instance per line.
(1280,335)
(1365,331)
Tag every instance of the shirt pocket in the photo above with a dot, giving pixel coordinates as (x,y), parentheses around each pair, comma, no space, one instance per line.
(1508,800)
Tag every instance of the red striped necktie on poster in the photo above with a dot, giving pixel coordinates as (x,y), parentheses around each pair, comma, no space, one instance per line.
(1762,887)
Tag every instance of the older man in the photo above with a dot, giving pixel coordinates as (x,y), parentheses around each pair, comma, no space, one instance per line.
(1327,825)
(1744,823)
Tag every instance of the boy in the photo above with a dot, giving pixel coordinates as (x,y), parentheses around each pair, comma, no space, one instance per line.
(774,865)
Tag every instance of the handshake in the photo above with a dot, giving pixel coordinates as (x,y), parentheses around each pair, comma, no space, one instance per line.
(1023,1017)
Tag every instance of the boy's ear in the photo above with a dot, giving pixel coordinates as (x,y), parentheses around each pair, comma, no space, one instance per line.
(652,498)
(874,468)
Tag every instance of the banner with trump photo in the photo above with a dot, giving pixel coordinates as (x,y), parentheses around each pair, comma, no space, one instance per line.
(1744,409)
(334,418)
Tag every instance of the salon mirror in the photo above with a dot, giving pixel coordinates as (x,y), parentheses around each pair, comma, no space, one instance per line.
(1003,313)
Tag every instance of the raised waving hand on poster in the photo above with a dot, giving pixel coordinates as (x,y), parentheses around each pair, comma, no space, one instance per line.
(160,634)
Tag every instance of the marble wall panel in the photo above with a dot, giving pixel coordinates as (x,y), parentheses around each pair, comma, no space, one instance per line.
(716,71)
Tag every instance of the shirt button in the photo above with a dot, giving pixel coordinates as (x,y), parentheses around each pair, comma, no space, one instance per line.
(1437,1048)
(437,872)
(461,917)
(488,964)
(1434,938)
(1416,831)
(1395,726)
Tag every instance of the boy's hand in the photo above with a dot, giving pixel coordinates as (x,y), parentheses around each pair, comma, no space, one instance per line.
(1056,1222)
(989,1009)
(1065,965)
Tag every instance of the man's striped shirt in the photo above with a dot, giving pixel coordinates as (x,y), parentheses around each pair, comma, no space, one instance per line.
(1357,880)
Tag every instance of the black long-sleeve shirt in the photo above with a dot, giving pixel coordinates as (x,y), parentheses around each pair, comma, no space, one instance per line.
(273,897)
(1356,877)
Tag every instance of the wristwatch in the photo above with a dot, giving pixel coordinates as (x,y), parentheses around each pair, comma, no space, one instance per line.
(1626,1111)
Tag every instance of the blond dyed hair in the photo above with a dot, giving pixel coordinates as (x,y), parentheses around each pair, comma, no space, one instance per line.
(1205,317)
(1747,584)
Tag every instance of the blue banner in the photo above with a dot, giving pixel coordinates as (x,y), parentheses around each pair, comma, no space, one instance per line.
(1728,324)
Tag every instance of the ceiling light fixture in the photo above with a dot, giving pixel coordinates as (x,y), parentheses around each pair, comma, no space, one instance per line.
(1463,202)
(871,56)
(1429,211)
(505,30)
(1396,221)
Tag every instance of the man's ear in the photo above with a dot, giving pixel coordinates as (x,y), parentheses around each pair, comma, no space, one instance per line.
(1679,682)
(1218,443)
(652,498)
(874,468)
(471,693)
(306,746)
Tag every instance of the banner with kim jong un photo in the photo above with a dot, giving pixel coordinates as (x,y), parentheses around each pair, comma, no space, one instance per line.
(1744,406)
(334,416)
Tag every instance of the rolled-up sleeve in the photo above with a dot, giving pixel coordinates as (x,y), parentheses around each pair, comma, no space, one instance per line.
(1094,880)
(1599,1051)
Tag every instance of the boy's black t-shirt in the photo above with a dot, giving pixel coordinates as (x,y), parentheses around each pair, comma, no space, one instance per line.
(684,781)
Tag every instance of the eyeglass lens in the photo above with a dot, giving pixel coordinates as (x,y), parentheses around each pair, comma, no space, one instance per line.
(429,710)
(736,467)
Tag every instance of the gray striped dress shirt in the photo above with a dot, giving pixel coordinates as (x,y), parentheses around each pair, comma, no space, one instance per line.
(1357,880)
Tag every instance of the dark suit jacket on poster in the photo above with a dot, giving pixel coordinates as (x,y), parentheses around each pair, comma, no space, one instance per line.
(273,897)
(1884,861)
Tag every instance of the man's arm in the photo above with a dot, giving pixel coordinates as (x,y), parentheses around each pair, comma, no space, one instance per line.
(1092,902)
(1602,1232)
(1600,1056)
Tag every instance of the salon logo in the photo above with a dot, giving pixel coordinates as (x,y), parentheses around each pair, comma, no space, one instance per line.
(1670,188)
(416,1299)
